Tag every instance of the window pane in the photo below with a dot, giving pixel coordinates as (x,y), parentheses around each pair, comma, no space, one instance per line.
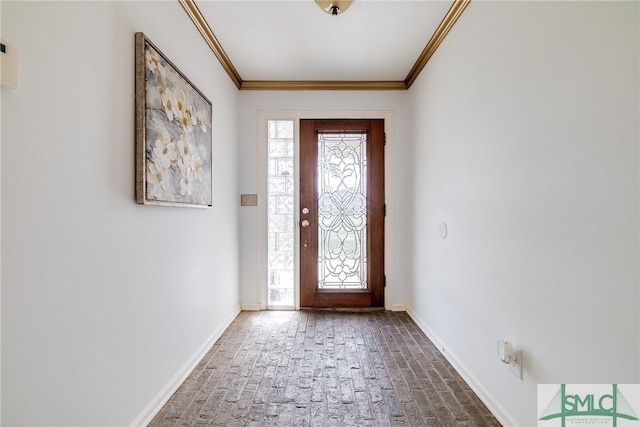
(280,188)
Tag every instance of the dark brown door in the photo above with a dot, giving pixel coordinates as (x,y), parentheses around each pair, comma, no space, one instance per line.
(341,213)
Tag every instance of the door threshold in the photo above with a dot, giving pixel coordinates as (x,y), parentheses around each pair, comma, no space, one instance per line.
(347,309)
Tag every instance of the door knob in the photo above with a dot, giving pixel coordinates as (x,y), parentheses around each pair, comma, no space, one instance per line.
(305,223)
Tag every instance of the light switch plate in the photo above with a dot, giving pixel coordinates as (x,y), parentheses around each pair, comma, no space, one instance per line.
(248,200)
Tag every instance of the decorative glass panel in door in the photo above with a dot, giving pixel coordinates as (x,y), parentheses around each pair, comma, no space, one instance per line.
(342,211)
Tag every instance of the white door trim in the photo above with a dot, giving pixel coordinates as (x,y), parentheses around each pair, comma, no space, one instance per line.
(263,117)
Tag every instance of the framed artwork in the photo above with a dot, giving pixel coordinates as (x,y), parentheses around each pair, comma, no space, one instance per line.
(173,133)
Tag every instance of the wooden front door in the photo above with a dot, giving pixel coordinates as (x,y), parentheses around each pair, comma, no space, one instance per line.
(341,213)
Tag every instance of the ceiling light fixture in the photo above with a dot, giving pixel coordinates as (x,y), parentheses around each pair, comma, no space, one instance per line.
(334,7)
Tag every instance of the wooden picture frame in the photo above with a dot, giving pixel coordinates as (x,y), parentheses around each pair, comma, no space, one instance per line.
(173,133)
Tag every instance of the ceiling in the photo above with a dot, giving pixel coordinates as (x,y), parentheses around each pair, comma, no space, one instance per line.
(293,44)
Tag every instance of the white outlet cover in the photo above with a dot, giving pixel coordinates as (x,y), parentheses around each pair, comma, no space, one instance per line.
(516,367)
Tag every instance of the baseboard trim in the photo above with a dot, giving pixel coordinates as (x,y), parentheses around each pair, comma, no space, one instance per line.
(496,408)
(251,307)
(398,307)
(170,388)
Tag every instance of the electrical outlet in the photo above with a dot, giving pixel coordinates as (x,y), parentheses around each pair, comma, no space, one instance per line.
(516,367)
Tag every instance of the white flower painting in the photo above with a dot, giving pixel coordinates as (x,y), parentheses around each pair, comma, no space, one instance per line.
(173,128)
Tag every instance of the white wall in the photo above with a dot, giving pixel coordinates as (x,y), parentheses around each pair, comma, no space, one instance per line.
(104,302)
(526,145)
(251,103)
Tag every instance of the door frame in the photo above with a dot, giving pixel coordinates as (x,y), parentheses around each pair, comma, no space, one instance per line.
(261,168)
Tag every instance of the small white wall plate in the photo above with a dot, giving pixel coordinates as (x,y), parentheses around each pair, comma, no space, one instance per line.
(443,230)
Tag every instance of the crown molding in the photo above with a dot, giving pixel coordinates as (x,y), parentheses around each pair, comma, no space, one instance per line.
(205,30)
(443,29)
(321,85)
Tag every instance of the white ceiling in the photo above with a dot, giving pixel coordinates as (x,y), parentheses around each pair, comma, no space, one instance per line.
(295,40)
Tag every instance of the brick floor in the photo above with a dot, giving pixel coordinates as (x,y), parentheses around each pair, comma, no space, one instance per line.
(324,368)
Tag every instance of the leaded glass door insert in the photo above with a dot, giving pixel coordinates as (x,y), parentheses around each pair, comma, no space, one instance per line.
(341,213)
(280,214)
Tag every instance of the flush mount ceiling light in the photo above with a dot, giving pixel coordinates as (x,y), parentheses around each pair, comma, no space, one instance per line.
(334,7)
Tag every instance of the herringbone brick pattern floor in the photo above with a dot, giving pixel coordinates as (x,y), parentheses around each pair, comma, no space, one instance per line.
(324,368)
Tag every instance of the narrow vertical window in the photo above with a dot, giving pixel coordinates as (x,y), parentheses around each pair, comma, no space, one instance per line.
(280,215)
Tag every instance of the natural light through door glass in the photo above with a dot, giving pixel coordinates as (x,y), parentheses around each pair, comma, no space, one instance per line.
(280,225)
(342,211)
